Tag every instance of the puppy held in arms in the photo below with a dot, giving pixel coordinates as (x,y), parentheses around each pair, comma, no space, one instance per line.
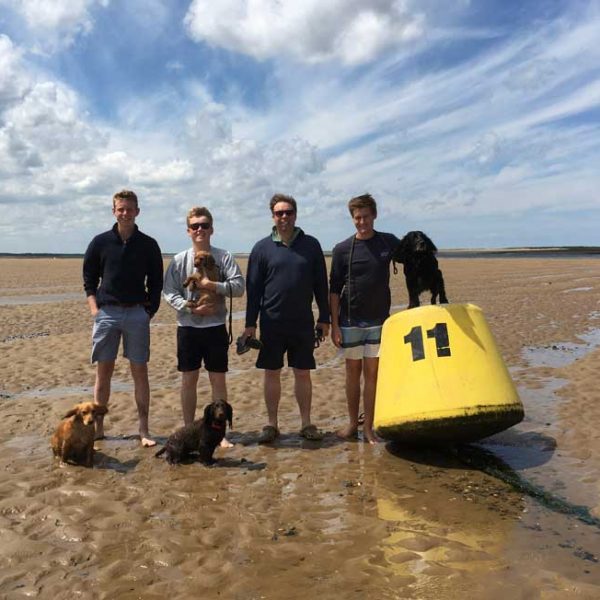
(417,253)
(201,436)
(73,440)
(206,268)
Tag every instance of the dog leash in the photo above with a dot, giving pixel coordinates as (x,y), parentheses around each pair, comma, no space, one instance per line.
(230,335)
(349,298)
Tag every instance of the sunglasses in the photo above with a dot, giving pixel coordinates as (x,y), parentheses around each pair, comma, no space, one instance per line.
(196,226)
(280,213)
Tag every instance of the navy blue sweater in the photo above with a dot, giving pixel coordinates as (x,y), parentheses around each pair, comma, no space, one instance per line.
(282,280)
(124,272)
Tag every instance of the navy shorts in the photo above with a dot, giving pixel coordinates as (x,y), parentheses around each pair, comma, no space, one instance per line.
(299,343)
(196,345)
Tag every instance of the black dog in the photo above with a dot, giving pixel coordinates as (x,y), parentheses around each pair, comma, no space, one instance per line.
(417,253)
(202,436)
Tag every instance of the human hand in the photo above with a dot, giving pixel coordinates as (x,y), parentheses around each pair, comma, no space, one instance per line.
(324,327)
(249,332)
(204,310)
(205,284)
(336,336)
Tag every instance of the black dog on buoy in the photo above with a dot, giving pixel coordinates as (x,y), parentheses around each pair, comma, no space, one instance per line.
(417,253)
(202,436)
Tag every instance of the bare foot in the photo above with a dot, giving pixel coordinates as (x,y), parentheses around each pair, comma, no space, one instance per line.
(99,435)
(370,437)
(350,432)
(225,443)
(147,442)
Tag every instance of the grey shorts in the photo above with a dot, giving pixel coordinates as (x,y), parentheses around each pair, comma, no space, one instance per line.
(113,322)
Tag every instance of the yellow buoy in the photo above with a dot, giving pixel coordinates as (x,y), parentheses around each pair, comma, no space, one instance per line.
(441,377)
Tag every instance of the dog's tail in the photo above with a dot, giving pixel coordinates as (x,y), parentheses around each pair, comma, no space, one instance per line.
(161,451)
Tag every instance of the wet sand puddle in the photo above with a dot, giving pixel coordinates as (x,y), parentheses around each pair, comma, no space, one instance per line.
(22,300)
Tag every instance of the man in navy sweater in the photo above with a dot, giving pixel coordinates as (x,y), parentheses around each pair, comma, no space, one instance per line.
(285,270)
(123,279)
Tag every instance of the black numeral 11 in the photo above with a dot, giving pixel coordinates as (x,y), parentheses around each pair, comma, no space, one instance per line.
(415,339)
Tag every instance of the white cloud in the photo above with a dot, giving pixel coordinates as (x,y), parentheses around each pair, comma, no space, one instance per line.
(313,31)
(13,82)
(236,170)
(55,24)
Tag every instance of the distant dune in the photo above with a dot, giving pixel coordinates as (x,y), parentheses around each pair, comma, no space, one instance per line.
(542,251)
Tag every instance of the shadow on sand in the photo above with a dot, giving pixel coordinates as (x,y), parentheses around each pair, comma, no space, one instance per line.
(519,450)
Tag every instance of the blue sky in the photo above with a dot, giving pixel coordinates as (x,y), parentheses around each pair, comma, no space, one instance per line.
(475,121)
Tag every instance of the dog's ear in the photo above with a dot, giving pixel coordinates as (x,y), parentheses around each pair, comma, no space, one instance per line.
(73,412)
(208,413)
(100,409)
(404,248)
(399,252)
(429,244)
(229,410)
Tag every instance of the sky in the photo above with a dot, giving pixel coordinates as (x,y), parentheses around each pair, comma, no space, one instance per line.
(476,121)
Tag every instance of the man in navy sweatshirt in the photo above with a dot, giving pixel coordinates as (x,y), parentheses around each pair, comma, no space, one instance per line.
(123,279)
(285,270)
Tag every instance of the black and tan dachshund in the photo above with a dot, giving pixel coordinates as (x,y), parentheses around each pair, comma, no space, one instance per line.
(417,253)
(201,436)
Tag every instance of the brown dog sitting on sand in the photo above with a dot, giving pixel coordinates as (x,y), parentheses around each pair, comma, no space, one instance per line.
(73,440)
(206,267)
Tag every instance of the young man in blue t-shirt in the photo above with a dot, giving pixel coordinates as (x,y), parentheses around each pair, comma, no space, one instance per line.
(360,302)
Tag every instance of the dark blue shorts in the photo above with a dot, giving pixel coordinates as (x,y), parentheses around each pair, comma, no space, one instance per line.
(298,343)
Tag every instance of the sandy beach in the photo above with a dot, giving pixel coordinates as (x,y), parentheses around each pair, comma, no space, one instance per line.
(301,519)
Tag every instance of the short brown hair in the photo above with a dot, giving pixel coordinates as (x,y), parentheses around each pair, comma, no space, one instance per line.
(125,195)
(199,211)
(364,201)
(282,198)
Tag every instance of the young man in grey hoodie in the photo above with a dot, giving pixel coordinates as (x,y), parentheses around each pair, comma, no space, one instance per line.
(201,332)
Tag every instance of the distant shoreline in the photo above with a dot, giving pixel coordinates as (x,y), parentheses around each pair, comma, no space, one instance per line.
(516,252)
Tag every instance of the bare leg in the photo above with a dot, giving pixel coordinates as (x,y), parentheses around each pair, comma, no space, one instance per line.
(353,372)
(141,387)
(370,367)
(189,396)
(272,389)
(303,391)
(104,371)
(219,392)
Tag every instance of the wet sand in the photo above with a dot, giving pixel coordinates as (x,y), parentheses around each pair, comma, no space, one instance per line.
(300,519)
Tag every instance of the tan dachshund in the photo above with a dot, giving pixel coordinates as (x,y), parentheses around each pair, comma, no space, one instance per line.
(205,265)
(73,440)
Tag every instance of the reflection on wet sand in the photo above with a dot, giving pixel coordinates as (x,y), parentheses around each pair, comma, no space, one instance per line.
(443,519)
